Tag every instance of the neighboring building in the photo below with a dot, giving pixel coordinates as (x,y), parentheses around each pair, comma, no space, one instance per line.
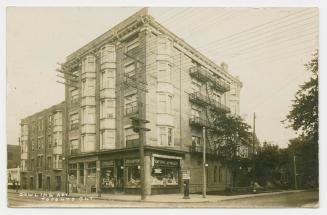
(42,155)
(183,88)
(13,175)
(13,156)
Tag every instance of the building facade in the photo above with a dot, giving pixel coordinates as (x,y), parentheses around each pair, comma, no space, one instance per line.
(42,150)
(180,89)
(13,153)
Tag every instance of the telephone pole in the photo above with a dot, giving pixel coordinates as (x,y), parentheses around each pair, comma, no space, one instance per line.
(204,191)
(139,121)
(253,153)
(295,171)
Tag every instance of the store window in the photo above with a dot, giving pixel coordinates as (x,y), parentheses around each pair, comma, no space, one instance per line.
(91,169)
(165,172)
(107,176)
(81,173)
(133,173)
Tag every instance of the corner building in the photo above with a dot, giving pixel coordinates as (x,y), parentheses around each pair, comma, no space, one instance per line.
(42,156)
(179,88)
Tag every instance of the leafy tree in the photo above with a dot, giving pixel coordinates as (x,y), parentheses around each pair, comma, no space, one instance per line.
(304,114)
(230,131)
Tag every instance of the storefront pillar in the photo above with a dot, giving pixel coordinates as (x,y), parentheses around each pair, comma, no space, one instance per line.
(98,181)
(147,178)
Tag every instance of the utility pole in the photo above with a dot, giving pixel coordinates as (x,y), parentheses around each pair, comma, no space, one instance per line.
(204,191)
(295,171)
(253,153)
(139,121)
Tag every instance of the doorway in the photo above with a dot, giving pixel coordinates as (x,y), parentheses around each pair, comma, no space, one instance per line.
(48,183)
(119,176)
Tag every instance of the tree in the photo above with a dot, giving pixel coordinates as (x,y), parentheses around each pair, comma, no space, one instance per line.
(230,131)
(303,116)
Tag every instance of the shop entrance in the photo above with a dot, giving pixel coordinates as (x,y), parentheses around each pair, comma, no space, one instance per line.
(48,183)
(119,176)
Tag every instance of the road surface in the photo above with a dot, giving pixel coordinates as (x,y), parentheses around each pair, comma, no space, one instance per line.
(299,199)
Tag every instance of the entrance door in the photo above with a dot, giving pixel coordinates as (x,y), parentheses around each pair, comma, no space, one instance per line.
(40,181)
(58,183)
(48,183)
(31,183)
(119,176)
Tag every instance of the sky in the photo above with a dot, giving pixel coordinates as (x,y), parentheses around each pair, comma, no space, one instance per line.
(265,47)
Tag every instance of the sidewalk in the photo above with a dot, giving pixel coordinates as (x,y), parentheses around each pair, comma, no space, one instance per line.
(165,198)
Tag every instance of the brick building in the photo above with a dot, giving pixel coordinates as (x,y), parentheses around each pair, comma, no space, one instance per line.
(183,88)
(42,156)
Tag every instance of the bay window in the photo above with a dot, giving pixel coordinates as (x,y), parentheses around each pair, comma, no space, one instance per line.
(130,104)
(107,108)
(74,146)
(73,121)
(107,79)
(165,103)
(165,136)
(107,139)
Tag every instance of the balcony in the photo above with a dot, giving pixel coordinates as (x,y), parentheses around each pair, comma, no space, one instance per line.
(205,76)
(217,106)
(199,99)
(199,149)
(197,122)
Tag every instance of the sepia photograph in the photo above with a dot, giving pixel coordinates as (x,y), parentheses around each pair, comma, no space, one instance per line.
(162,107)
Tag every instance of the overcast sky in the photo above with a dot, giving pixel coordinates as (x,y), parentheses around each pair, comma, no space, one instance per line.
(265,47)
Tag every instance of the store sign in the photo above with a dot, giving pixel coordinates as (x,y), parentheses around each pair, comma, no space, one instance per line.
(166,162)
(132,162)
(157,171)
(107,163)
(186,175)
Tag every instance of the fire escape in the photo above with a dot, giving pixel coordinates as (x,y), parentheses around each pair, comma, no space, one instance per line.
(209,104)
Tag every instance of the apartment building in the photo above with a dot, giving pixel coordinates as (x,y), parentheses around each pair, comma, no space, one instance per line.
(42,154)
(180,88)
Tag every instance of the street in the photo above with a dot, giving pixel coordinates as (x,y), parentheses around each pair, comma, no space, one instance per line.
(282,200)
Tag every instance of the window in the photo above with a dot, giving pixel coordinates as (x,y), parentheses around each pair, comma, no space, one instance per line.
(131,138)
(130,104)
(196,86)
(57,162)
(33,144)
(49,162)
(81,173)
(107,139)
(87,143)
(165,103)
(130,71)
(107,54)
(74,146)
(162,104)
(165,72)
(216,96)
(74,96)
(50,121)
(165,172)
(73,121)
(49,141)
(220,176)
(40,125)
(132,44)
(57,139)
(72,172)
(133,172)
(91,169)
(107,108)
(32,164)
(162,136)
(39,161)
(170,137)
(215,175)
(196,141)
(107,79)
(39,143)
(166,136)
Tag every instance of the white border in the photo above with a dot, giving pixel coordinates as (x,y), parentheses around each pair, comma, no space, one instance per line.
(227,3)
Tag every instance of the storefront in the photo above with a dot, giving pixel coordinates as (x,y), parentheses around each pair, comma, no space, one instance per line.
(107,176)
(165,175)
